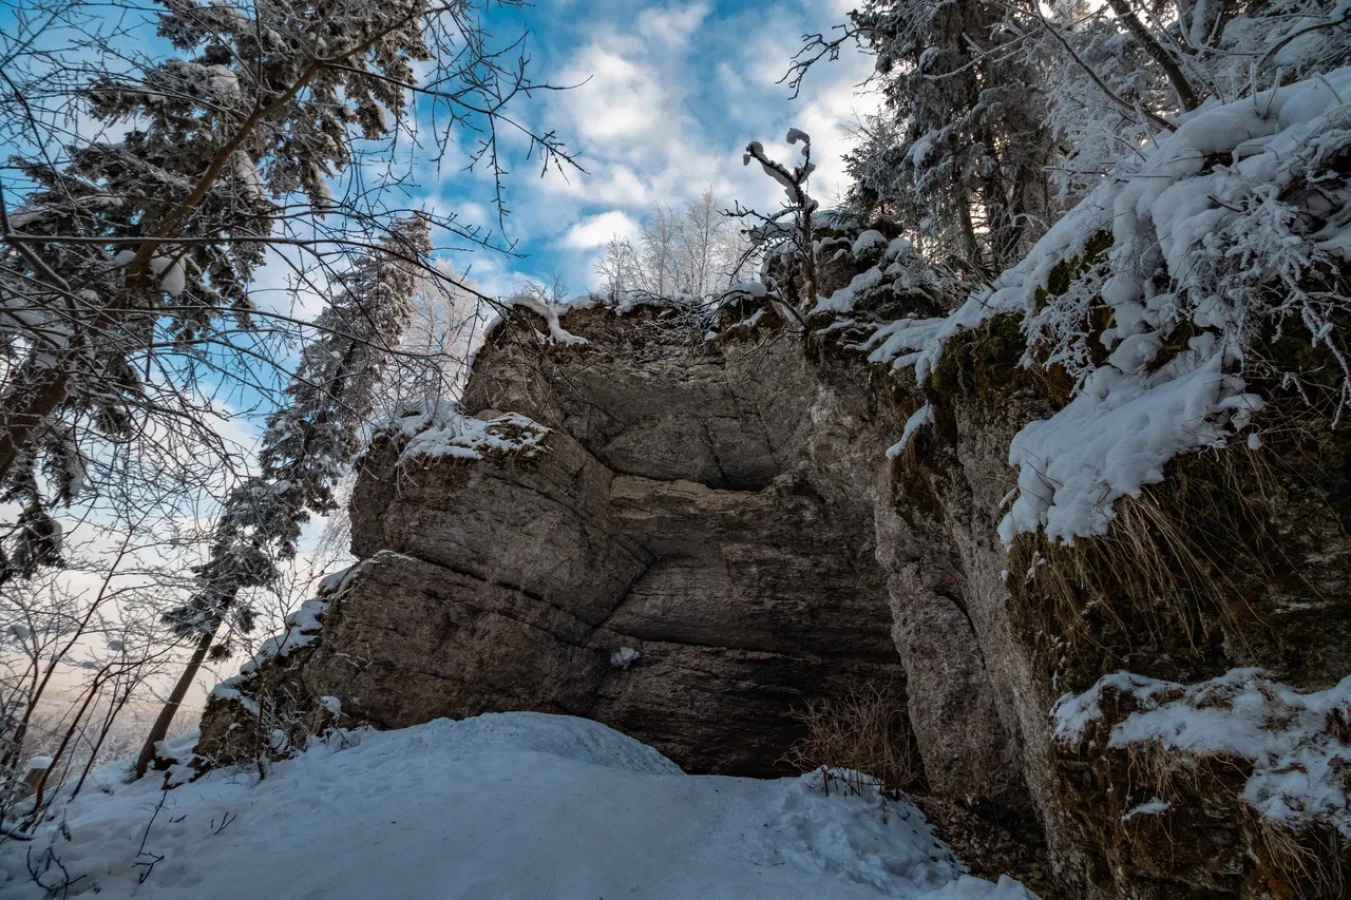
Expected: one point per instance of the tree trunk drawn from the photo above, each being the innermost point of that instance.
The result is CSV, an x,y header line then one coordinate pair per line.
x,y
40,791
166,715
108,720
808,251
1186,94
35,396
969,243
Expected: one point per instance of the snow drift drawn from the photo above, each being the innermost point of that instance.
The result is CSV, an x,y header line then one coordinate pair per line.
x,y
515,805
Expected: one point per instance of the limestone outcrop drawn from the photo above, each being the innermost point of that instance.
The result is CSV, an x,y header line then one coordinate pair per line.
x,y
712,506
705,535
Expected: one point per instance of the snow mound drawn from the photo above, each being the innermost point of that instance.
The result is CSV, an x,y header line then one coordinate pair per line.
x,y
1116,436
514,805
1294,741
302,628
899,269
565,737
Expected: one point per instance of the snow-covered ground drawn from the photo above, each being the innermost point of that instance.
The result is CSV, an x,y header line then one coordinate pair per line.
x,y
517,805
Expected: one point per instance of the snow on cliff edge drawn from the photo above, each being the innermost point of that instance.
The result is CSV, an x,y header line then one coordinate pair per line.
x,y
1223,229
514,805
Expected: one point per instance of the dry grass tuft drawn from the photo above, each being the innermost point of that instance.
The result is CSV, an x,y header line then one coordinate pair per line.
x,y
866,730
1302,866
1177,574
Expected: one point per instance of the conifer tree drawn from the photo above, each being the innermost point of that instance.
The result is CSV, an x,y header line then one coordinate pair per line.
x,y
960,152
307,446
127,254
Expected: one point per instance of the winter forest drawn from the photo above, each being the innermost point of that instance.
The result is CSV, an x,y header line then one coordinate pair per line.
x,y
711,449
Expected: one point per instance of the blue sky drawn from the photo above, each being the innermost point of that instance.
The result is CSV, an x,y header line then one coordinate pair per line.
x,y
669,95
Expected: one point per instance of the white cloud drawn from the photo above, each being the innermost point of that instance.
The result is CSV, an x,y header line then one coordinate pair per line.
x,y
672,25
490,273
472,213
596,231
616,97
666,97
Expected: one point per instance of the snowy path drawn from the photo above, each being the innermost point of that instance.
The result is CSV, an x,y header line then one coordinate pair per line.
x,y
508,806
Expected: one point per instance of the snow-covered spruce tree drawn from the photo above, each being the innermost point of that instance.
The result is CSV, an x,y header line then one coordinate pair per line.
x,y
959,154
306,449
1207,261
1122,73
129,241
985,99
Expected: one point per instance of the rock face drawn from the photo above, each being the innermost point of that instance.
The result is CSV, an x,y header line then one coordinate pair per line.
x,y
675,509
724,509
711,536
715,507
667,513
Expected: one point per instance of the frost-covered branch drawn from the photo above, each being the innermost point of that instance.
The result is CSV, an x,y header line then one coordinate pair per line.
x,y
1186,94
815,48
799,206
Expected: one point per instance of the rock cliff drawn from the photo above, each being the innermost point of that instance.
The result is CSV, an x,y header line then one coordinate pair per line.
x,y
692,537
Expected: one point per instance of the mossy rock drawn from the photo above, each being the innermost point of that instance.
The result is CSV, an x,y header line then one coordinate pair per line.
x,y
988,364
1068,271
1237,559
1204,842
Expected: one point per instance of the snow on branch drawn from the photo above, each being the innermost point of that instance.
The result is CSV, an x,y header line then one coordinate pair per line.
x,y
800,207
1232,227
547,310
794,180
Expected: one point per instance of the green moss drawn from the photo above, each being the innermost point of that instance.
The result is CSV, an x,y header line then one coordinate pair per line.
x,y
1068,271
920,483
985,362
